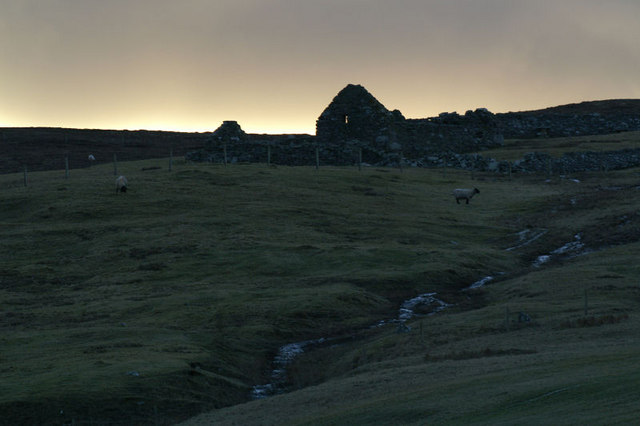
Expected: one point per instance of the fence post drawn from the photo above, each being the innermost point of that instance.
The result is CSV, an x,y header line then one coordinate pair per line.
x,y
66,167
317,158
115,165
225,154
25,175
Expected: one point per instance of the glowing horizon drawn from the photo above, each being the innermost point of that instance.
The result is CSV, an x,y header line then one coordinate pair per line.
x,y
274,65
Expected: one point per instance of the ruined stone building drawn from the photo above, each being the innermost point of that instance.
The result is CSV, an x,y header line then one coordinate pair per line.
x,y
355,116
356,126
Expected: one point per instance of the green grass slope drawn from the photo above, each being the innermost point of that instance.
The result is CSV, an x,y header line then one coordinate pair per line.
x,y
152,306
573,362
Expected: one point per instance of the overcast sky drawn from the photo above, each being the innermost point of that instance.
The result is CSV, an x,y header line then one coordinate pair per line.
x,y
274,65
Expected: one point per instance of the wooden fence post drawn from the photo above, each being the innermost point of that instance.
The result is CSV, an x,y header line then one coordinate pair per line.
x,y
317,158
25,175
225,154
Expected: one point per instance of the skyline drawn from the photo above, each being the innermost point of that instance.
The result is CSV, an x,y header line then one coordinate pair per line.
x,y
274,65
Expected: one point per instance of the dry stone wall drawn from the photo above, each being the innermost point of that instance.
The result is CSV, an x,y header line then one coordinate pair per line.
x,y
573,162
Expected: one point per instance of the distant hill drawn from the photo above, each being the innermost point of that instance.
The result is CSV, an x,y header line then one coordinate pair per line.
x,y
580,119
604,107
45,148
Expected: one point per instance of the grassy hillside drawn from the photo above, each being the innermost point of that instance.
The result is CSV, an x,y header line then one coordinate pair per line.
x,y
515,149
172,299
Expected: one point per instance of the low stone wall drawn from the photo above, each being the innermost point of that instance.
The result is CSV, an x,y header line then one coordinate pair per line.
x,y
293,151
573,162
535,162
524,125
301,151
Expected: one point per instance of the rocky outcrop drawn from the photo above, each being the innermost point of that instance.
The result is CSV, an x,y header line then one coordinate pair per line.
x,y
585,118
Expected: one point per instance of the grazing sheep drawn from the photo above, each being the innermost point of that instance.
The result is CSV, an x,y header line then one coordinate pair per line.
x,y
121,184
91,157
465,194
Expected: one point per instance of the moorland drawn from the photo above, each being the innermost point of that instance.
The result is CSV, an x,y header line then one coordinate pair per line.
x,y
169,303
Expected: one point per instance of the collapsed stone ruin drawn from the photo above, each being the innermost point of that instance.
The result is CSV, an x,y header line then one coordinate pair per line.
x,y
356,128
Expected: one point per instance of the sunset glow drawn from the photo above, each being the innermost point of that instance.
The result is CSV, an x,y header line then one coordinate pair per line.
x,y
274,65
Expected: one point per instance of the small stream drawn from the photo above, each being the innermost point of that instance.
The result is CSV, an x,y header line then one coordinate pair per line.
x,y
571,249
426,303
286,355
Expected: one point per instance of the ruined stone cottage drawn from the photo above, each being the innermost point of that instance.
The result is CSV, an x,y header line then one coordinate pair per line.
x,y
355,123
356,116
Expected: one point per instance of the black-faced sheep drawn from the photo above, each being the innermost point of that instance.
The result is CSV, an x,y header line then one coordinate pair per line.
x,y
465,194
121,184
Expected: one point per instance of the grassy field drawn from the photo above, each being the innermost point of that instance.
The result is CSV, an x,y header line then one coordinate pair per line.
x,y
171,300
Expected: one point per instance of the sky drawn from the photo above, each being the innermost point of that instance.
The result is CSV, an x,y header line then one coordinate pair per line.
x,y
274,65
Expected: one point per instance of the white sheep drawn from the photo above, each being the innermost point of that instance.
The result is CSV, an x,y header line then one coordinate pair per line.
x,y
465,194
121,184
